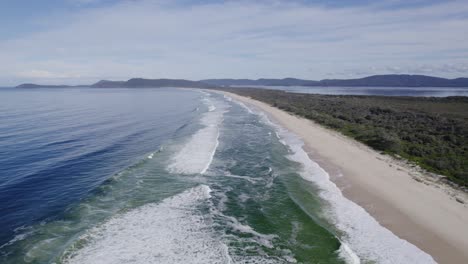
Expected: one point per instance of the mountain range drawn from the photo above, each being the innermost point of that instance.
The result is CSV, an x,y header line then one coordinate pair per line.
x,y
391,80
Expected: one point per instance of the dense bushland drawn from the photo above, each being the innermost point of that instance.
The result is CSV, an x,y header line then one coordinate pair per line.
x,y
432,132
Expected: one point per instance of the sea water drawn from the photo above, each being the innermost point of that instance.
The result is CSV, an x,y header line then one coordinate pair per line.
x,y
169,176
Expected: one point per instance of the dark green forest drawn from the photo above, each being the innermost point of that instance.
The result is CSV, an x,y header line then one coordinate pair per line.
x,y
431,132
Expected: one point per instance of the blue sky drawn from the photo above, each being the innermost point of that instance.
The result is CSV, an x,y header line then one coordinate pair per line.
x,y
82,41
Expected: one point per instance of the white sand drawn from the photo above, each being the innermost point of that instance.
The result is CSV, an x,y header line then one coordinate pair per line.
x,y
421,213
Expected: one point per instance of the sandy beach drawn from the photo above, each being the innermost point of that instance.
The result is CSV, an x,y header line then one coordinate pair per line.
x,y
424,213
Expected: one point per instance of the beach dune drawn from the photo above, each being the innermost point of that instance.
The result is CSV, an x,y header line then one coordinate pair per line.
x,y
423,213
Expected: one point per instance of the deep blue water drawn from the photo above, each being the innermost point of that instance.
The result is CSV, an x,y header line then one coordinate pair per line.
x,y
383,91
56,145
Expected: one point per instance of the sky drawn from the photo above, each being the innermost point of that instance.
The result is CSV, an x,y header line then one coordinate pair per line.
x,y
83,41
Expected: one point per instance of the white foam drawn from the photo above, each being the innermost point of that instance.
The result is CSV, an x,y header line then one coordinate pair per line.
x,y
197,154
348,255
247,178
363,234
265,240
26,232
173,231
244,197
253,236
242,105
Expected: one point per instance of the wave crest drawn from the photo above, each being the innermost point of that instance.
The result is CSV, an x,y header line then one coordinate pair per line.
x,y
197,154
173,231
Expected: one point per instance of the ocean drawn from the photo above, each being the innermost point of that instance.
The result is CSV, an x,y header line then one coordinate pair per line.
x,y
169,176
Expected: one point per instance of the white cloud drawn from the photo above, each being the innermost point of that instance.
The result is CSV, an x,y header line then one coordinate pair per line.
x,y
41,74
240,39
455,69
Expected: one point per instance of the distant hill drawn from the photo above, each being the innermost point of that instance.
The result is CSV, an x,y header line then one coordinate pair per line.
x,y
32,85
108,84
266,82
399,80
147,83
132,83
391,80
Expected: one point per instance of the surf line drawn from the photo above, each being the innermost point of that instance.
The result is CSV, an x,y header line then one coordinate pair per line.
x,y
213,152
196,156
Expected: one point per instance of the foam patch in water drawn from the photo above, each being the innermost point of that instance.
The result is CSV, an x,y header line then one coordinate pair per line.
x,y
348,255
241,104
173,231
197,154
247,178
262,239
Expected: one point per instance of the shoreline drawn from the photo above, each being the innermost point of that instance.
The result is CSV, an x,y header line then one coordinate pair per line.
x,y
421,212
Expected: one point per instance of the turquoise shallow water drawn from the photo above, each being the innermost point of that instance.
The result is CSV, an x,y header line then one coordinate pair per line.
x,y
173,176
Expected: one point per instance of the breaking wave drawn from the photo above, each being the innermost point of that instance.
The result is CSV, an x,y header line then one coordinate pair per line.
x,y
173,231
197,154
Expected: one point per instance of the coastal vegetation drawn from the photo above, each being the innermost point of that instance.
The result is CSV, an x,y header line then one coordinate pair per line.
x,y
431,132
